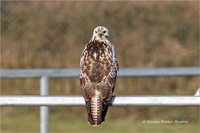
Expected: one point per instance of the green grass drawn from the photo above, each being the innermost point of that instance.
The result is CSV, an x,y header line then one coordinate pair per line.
x,y
21,121
145,34
124,125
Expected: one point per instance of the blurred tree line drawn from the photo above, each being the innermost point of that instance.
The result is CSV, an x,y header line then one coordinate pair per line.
x,y
145,34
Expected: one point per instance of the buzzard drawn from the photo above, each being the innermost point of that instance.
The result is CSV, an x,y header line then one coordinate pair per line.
x,y
98,72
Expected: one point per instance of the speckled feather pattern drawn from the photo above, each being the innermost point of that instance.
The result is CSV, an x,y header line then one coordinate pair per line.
x,y
98,71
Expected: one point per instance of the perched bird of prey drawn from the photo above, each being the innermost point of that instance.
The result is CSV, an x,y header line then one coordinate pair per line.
x,y
98,72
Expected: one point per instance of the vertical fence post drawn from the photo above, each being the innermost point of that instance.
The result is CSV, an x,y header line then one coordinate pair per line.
x,y
197,93
44,110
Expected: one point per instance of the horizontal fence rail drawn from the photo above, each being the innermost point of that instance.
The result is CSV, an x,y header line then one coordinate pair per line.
x,y
128,100
123,72
77,100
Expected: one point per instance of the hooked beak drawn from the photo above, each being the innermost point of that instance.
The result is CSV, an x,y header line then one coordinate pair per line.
x,y
100,33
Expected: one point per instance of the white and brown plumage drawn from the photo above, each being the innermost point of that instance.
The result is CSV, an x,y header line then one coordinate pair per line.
x,y
98,72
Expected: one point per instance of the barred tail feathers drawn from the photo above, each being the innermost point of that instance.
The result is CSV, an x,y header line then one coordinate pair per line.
x,y
96,109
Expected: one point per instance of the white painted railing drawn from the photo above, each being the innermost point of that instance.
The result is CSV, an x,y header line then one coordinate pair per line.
x,y
123,72
124,100
129,100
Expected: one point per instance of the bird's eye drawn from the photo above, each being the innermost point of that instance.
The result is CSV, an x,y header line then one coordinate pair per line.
x,y
104,31
95,31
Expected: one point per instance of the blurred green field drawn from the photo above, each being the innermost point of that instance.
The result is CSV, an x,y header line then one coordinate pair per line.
x,y
145,34
61,122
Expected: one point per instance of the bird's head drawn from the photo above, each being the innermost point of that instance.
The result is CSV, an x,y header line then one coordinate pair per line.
x,y
100,33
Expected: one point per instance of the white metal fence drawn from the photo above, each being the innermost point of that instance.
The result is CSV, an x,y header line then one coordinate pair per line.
x,y
128,100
